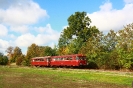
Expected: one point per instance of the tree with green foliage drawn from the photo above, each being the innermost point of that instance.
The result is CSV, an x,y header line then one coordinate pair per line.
x,y
33,51
109,47
100,50
125,47
76,34
93,49
16,54
20,59
48,51
110,41
3,59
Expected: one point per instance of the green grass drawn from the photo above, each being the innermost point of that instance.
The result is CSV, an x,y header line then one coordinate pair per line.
x,y
27,77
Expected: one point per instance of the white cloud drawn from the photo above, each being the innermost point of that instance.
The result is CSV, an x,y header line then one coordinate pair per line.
x,y
16,18
45,36
22,13
3,30
106,7
25,40
3,45
22,28
108,18
46,29
128,1
19,14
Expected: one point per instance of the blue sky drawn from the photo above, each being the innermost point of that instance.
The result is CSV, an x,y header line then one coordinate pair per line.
x,y
23,22
60,10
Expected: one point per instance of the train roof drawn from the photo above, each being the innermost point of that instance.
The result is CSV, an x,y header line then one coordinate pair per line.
x,y
70,55
59,56
41,57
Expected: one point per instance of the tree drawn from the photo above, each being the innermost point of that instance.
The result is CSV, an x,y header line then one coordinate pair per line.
x,y
125,47
3,59
110,41
109,55
33,51
48,51
16,53
20,59
77,32
9,50
93,50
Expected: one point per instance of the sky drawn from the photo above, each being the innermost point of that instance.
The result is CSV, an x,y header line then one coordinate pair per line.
x,y
24,22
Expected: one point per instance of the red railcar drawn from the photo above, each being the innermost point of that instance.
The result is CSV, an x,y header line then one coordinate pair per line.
x,y
40,61
64,60
69,60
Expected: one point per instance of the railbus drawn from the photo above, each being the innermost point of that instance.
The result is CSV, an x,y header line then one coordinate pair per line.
x,y
69,60
41,61
74,60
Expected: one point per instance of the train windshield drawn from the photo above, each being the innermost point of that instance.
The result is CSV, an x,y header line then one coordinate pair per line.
x,y
80,58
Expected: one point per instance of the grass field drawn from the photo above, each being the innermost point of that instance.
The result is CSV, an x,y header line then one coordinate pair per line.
x,y
28,77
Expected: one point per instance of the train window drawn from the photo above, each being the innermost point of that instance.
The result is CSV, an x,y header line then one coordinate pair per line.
x,y
70,58
57,59
36,59
67,58
41,59
80,58
54,59
77,58
61,58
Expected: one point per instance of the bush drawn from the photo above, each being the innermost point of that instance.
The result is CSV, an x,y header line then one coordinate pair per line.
x,y
3,60
92,65
19,61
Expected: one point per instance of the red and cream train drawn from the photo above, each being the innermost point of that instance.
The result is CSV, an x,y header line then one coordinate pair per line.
x,y
75,60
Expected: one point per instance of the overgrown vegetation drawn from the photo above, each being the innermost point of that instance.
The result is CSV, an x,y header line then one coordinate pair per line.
x,y
113,50
26,77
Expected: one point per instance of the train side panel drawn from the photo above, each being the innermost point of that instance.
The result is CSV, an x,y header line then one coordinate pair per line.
x,y
40,61
69,60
